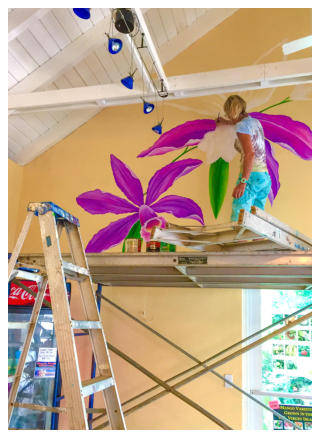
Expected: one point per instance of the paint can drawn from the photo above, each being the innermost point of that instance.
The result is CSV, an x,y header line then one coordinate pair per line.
x,y
153,246
167,247
132,245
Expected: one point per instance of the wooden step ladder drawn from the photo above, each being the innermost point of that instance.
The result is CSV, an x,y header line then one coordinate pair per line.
x,y
52,221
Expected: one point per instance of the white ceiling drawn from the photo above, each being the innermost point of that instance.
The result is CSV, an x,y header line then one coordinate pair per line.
x,y
53,49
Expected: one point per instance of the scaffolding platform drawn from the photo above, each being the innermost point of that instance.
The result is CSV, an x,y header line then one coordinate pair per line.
x,y
257,252
251,270
257,230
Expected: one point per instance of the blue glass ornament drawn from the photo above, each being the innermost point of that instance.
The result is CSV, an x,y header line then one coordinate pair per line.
x,y
83,13
147,107
114,45
127,82
157,128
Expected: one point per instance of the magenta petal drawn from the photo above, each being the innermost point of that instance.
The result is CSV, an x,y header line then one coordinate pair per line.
x,y
149,224
146,213
179,207
288,133
98,202
189,133
127,181
273,169
166,176
111,235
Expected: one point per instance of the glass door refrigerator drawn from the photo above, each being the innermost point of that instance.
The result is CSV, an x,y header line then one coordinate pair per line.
x,y
40,383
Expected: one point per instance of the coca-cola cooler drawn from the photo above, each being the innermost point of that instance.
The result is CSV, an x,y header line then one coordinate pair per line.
x,y
40,382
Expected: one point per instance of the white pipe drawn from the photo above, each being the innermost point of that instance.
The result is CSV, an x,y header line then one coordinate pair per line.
x,y
151,47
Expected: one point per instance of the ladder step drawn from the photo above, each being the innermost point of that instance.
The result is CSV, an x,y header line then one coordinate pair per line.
x,y
86,325
95,385
72,270
39,407
24,275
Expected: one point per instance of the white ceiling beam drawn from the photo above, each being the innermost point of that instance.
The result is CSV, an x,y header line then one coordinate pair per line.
x,y
205,23
57,133
251,77
151,47
65,59
20,19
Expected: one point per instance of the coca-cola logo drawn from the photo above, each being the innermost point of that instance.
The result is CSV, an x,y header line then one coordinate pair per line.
x,y
19,296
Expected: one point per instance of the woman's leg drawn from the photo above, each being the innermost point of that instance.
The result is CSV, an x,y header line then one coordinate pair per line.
x,y
263,187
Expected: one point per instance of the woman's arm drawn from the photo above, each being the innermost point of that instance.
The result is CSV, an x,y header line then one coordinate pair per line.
x,y
248,159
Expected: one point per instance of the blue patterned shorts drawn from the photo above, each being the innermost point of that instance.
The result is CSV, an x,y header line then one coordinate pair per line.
x,y
256,193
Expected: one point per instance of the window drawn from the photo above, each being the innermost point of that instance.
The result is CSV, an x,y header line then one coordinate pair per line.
x,y
279,369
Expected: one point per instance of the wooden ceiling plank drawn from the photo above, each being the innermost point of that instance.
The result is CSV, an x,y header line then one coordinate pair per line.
x,y
190,15
55,30
110,66
35,123
17,71
59,115
23,127
150,28
43,36
74,78
11,81
19,20
97,69
17,136
179,18
157,27
63,60
168,22
46,119
62,83
32,46
86,74
69,25
19,52
54,135
96,15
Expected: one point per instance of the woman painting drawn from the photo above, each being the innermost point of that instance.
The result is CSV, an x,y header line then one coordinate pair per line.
x,y
254,183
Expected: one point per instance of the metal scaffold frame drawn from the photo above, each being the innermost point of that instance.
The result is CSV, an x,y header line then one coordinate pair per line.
x,y
257,252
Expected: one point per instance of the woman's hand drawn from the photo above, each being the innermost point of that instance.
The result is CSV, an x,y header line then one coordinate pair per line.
x,y
238,191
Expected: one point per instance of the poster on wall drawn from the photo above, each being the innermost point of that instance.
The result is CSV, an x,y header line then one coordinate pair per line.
x,y
301,415
46,363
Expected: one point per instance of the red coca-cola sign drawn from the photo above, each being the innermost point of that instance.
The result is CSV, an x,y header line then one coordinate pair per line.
x,y
20,297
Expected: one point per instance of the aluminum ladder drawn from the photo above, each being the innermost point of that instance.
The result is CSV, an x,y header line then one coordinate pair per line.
x,y
52,221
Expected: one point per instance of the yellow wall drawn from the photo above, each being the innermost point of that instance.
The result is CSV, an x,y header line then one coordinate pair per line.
x,y
201,321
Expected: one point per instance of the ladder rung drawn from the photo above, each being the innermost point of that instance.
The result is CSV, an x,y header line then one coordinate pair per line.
x,y
95,385
24,275
86,325
39,407
70,269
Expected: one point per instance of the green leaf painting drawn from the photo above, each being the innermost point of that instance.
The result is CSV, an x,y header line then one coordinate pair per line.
x,y
218,183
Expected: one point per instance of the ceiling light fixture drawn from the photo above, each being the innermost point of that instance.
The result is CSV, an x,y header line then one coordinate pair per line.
x,y
147,107
83,13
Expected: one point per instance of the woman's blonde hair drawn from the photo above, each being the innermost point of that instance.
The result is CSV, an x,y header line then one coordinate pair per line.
x,y
234,106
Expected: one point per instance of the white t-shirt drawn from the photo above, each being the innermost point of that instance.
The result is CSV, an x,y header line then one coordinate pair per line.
x,y
253,127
